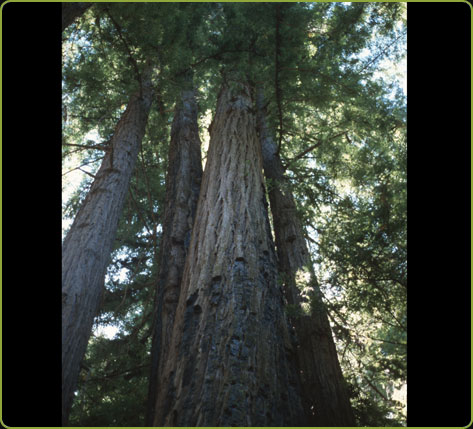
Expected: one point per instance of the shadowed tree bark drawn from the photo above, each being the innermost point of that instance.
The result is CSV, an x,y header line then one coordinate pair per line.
x,y
72,11
88,244
182,192
229,361
326,401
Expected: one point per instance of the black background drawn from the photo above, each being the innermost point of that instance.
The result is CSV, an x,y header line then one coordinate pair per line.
x,y
439,388
439,147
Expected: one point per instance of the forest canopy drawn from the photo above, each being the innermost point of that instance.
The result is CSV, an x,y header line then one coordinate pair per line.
x,y
329,80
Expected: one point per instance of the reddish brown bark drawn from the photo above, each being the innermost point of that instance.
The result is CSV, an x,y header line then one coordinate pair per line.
x,y
229,359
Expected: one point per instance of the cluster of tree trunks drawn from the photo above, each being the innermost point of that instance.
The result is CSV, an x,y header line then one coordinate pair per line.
x,y
229,362
224,351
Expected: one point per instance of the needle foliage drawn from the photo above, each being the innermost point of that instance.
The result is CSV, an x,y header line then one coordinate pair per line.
x,y
330,73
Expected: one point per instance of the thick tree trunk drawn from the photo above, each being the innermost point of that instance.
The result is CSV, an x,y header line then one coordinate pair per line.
x,y
228,363
71,11
183,180
326,400
87,246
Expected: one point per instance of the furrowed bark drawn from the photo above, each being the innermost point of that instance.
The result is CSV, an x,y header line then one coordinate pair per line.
x,y
229,359
183,180
88,244
326,401
71,11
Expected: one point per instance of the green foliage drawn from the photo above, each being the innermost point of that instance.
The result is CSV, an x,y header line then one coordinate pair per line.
x,y
113,384
339,119
362,265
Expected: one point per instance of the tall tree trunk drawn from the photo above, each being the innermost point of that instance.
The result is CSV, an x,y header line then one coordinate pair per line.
x,y
88,244
71,11
183,180
326,401
228,363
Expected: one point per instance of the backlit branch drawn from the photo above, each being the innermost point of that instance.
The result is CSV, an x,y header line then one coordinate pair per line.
x,y
310,148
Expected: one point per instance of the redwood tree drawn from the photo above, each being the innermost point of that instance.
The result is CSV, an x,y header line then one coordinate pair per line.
x,y
232,345
182,191
229,362
87,246
326,401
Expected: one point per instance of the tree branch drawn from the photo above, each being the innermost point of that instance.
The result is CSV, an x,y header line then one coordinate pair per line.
x,y
381,53
85,163
377,390
133,371
216,56
100,146
310,148
385,341
86,172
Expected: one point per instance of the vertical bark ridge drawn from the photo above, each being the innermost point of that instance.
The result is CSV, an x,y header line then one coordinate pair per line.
x,y
326,400
182,192
88,244
228,362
